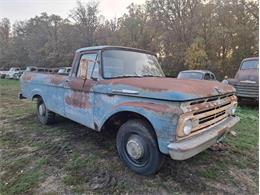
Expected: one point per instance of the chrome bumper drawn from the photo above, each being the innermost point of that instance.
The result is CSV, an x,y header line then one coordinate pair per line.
x,y
187,148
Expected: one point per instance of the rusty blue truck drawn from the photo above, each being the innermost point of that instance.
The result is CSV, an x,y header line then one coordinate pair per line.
x,y
125,89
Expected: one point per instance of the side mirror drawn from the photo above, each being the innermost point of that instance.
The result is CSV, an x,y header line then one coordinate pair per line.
x,y
84,77
83,68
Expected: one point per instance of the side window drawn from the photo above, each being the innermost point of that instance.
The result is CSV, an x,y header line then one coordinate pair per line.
x,y
207,77
95,72
86,64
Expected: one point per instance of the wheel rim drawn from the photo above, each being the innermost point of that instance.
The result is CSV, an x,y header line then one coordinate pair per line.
x,y
42,110
135,148
136,151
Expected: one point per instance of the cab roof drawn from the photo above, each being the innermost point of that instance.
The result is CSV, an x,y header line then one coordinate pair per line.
x,y
251,58
199,71
110,47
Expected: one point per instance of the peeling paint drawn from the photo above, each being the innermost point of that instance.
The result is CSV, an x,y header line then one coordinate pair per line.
x,y
164,102
78,100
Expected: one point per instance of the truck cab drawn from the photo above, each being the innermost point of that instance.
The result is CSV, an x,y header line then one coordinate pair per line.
x,y
124,89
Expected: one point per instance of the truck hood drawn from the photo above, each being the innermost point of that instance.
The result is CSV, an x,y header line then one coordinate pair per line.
x,y
247,75
164,88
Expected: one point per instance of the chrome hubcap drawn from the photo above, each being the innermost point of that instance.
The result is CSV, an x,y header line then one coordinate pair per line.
x,y
42,110
135,148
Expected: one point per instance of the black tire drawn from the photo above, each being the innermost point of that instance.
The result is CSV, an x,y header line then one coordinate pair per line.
x,y
148,161
47,117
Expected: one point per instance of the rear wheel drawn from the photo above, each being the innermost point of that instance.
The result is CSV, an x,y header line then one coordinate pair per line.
x,y
45,116
138,148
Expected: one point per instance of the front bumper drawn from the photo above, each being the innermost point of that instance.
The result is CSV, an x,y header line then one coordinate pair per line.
x,y
187,148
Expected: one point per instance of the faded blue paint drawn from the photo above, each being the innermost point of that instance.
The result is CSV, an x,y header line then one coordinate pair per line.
x,y
145,93
92,103
102,106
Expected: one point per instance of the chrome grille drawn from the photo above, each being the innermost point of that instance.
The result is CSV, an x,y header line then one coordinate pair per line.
x,y
206,113
247,89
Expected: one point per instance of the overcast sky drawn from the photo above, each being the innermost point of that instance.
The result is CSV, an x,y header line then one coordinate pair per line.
x,y
16,10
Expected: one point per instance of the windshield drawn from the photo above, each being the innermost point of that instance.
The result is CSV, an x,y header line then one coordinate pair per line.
x,y
250,64
120,63
190,75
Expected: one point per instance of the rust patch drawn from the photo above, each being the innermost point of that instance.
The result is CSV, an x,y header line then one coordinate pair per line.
x,y
56,79
80,84
207,105
198,88
152,106
78,100
26,76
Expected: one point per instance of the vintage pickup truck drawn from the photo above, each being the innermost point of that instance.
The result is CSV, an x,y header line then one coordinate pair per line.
x,y
125,89
246,81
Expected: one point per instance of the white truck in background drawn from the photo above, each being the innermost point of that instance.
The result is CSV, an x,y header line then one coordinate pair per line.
x,y
14,73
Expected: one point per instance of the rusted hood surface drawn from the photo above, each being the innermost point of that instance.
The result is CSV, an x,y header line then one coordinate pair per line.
x,y
247,75
165,88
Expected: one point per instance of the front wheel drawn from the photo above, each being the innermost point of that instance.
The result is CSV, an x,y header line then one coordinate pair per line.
x,y
138,148
45,116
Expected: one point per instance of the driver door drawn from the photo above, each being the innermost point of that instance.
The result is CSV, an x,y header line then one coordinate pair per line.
x,y
79,96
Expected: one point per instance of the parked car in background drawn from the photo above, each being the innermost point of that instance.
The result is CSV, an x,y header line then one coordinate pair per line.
x,y
3,74
13,72
17,75
64,70
125,88
197,75
246,80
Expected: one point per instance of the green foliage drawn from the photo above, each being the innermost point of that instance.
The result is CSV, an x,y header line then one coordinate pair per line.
x,y
196,56
215,35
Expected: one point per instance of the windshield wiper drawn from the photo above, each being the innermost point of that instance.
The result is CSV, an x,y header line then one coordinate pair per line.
x,y
135,75
151,75
126,76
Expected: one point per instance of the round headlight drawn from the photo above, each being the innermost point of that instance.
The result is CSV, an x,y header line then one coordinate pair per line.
x,y
187,127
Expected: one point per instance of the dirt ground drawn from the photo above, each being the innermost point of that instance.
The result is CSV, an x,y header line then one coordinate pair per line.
x,y
67,158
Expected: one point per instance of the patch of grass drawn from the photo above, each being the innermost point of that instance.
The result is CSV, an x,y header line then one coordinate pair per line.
x,y
70,180
14,166
210,173
9,83
79,168
32,151
25,179
247,130
24,182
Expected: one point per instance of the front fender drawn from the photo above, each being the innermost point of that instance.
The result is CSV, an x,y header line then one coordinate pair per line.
x,y
163,117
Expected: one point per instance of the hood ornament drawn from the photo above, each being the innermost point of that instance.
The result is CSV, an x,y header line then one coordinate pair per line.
x,y
219,91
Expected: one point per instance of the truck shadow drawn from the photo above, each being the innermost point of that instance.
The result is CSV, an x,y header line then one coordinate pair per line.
x,y
181,174
248,103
